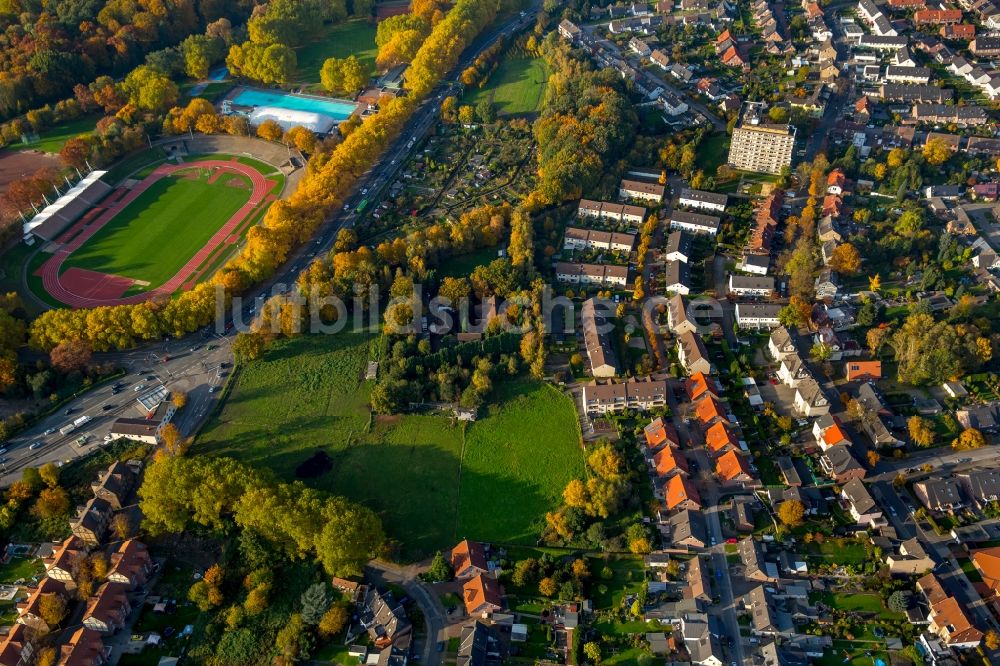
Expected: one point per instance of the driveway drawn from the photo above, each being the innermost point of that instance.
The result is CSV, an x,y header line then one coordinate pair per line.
x,y
428,602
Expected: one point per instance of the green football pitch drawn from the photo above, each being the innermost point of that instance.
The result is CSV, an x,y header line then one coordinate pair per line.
x,y
155,235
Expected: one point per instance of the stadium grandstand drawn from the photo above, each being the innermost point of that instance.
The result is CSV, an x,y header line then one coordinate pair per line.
x,y
317,123
67,209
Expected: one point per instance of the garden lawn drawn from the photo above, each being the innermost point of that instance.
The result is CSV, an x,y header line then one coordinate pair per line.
x,y
860,602
517,86
53,139
518,459
154,236
627,577
355,38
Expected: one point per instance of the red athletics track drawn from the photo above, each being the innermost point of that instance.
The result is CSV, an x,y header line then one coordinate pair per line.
x,y
50,270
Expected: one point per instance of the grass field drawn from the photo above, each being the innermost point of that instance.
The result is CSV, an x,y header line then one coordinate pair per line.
x,y
517,86
355,38
53,139
152,238
517,462
307,396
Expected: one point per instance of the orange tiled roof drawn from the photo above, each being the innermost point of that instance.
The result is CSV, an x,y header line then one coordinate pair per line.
x,y
835,434
698,384
669,459
708,410
836,177
950,613
678,491
658,432
479,590
731,466
468,553
719,436
987,560
723,36
858,368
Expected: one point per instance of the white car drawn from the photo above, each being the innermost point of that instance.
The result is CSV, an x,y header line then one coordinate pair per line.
x,y
108,437
139,388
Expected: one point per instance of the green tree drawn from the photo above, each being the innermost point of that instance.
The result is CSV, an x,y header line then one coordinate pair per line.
x,y
315,602
293,641
150,90
898,601
440,569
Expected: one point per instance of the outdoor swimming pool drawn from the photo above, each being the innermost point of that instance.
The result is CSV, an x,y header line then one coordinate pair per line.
x,y
327,107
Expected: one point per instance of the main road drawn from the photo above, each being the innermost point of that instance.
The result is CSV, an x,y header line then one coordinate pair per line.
x,y
194,365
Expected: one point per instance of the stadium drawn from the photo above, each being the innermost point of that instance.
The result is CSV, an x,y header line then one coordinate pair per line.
x,y
166,226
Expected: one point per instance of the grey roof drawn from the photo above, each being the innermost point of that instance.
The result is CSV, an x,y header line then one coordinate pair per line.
x,y
705,197
752,282
678,241
695,219
688,524
841,459
858,495
676,273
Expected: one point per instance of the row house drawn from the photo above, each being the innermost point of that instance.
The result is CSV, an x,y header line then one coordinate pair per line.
x,y
744,285
594,239
637,394
694,222
592,274
757,315
602,210
635,189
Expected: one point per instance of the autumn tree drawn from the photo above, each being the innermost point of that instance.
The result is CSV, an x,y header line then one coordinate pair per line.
x,y
49,474
936,151
270,130
248,346
791,512
592,651
179,398
970,438
846,259
921,430
172,440
547,587
71,356
302,138
344,74
52,609
333,622
51,502
992,639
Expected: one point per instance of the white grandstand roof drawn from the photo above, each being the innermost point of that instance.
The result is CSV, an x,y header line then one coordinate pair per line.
x,y
59,204
289,118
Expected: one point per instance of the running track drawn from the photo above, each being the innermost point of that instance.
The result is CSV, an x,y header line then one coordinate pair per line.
x,y
50,269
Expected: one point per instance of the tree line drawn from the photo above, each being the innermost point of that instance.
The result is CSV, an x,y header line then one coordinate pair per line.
x,y
222,495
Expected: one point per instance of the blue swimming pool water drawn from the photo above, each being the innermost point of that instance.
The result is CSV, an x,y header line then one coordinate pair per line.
x,y
336,110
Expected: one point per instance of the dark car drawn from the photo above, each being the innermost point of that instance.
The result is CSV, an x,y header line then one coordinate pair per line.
x,y
69,410
107,407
